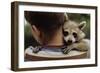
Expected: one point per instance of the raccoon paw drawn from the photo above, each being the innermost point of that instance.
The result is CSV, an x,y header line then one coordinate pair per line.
x,y
36,49
66,50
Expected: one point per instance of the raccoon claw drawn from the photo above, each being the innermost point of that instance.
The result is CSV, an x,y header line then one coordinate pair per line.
x,y
36,49
66,51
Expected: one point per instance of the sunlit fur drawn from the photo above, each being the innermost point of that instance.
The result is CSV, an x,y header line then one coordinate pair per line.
x,y
78,42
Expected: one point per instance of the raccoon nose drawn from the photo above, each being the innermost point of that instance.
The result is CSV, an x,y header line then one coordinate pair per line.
x,y
69,41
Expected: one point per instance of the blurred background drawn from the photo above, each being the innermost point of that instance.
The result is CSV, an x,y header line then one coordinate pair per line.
x,y
30,41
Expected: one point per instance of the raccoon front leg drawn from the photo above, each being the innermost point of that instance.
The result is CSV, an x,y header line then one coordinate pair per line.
x,y
67,49
83,45
36,49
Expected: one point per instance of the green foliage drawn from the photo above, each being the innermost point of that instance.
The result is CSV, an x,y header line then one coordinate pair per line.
x,y
28,38
27,30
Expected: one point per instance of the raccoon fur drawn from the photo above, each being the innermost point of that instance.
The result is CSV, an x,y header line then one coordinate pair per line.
x,y
74,37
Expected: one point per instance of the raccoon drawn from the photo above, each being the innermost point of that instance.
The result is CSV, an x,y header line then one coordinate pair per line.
x,y
74,37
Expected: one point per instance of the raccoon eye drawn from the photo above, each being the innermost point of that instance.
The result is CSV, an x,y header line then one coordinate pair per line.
x,y
75,34
65,33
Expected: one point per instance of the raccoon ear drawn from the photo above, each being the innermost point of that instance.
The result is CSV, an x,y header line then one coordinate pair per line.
x,y
66,16
82,25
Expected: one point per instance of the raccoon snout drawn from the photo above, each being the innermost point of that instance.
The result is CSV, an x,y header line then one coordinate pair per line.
x,y
69,42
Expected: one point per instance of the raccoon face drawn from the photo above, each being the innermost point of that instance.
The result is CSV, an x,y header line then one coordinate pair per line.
x,y
70,37
72,32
